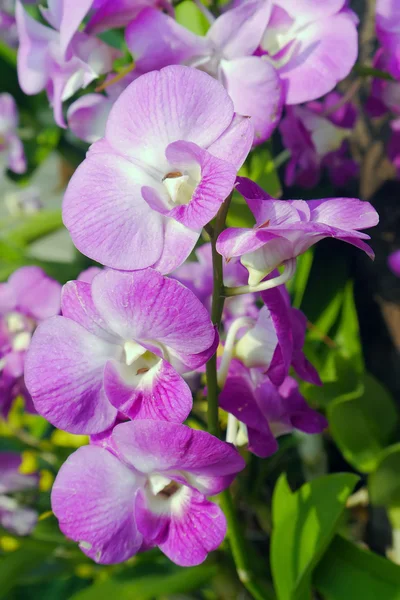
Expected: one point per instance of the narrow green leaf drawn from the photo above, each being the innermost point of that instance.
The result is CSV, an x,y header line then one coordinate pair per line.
x,y
347,572
363,423
297,286
150,586
32,228
304,524
367,71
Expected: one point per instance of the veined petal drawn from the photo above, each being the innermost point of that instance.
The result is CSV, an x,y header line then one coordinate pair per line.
x,y
327,50
160,393
34,39
235,143
87,117
236,241
93,498
176,103
195,529
106,215
179,242
64,375
77,304
153,310
163,447
256,91
238,32
157,40
346,214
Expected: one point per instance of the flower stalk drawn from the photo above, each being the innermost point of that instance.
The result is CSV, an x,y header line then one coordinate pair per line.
x,y
236,537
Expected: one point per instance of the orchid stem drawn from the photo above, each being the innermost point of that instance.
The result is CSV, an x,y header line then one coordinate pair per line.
x,y
236,537
290,268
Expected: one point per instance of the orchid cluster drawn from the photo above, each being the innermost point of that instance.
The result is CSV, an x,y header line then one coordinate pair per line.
x,y
130,346
181,308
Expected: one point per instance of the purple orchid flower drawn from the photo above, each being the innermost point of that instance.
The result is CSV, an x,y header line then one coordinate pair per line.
x,y
198,277
226,53
273,342
60,59
394,262
285,229
312,44
388,33
266,410
393,147
168,160
315,135
15,518
27,298
109,14
119,347
385,95
11,148
153,481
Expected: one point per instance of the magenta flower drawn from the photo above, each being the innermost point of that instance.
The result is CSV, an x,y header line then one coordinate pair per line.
x,y
119,347
285,229
315,135
394,262
15,518
312,44
388,33
198,277
168,160
153,482
60,59
27,298
226,53
393,146
272,342
266,411
11,149
385,95
109,14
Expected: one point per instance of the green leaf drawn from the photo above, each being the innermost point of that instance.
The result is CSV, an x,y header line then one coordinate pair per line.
x,y
384,482
347,572
32,228
367,71
362,423
297,285
13,566
304,524
150,586
191,17
260,167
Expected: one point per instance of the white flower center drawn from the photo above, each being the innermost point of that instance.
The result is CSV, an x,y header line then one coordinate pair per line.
x,y
138,359
181,185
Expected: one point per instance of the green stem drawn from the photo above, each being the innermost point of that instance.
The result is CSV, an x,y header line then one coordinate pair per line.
x,y
240,553
236,537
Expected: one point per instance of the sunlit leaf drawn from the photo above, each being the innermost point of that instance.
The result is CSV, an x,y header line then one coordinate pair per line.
x,y
304,523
